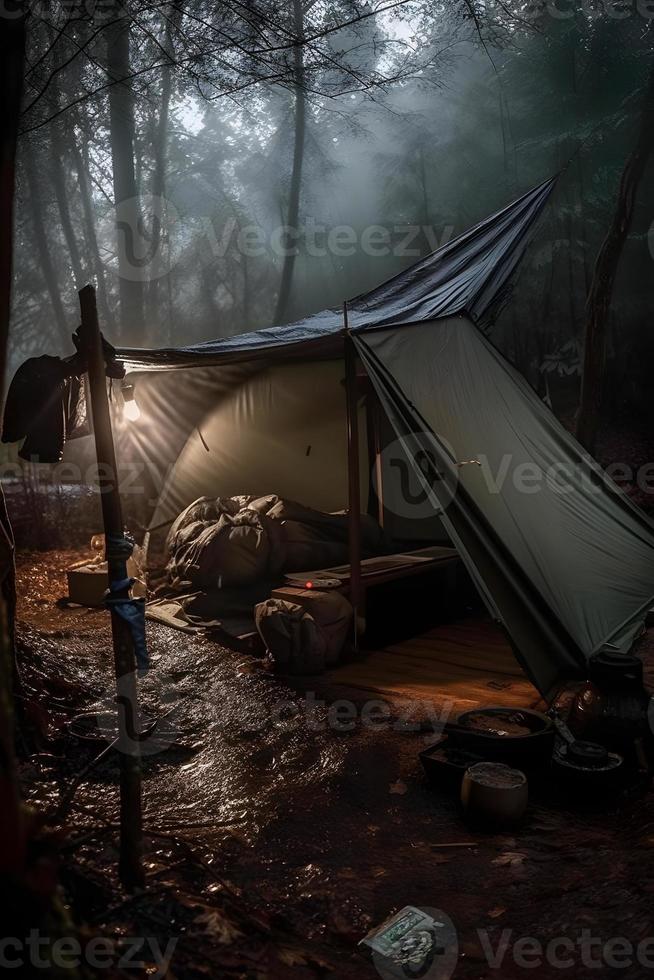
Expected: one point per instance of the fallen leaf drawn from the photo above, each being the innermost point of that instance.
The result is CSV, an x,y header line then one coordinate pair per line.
x,y
512,859
398,788
496,913
291,957
218,927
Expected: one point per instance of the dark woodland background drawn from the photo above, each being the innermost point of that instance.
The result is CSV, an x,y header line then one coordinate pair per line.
x,y
427,114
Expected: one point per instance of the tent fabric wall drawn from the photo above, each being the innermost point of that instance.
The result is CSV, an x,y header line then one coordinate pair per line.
x,y
557,549
279,431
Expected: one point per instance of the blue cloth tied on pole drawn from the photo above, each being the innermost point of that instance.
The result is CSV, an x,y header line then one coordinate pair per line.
x,y
132,611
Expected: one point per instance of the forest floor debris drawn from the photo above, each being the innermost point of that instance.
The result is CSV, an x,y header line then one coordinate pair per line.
x,y
272,848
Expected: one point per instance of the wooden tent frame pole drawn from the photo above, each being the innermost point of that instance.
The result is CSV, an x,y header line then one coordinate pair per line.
x,y
131,819
354,489
373,418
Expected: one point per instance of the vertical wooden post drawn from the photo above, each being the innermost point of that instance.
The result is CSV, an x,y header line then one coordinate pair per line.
x,y
373,419
130,869
354,491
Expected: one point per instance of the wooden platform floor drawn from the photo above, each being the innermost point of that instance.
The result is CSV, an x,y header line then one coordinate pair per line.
x,y
469,663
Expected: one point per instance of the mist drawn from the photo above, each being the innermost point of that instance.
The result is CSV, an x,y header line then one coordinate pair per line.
x,y
413,128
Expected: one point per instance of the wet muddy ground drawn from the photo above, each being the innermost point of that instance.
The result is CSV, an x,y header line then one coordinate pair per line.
x,y
275,841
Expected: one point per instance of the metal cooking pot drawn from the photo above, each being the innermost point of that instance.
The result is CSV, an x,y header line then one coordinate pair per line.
x,y
494,733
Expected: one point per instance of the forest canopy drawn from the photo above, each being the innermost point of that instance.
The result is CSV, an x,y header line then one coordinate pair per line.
x,y
216,168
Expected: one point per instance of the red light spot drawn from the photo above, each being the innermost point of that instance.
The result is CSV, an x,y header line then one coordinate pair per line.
x,y
308,585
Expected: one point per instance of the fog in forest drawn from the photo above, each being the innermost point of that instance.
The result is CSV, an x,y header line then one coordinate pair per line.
x,y
234,179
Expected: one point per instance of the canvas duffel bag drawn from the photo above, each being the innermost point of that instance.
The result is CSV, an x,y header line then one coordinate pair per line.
x,y
292,637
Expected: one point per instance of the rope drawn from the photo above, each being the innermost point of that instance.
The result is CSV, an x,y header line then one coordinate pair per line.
x,y
119,546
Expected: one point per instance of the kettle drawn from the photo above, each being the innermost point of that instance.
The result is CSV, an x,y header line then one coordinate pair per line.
x,y
614,709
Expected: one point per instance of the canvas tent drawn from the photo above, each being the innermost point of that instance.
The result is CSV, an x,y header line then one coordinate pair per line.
x,y
560,555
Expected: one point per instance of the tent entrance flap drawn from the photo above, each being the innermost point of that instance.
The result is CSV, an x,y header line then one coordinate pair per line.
x,y
563,556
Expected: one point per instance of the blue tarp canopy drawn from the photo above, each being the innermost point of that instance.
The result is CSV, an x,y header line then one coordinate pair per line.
x,y
468,275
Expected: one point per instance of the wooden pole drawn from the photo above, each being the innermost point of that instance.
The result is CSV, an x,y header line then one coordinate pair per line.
x,y
354,491
373,417
131,830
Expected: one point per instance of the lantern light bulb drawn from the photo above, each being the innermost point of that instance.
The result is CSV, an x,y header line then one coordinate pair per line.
x,y
131,411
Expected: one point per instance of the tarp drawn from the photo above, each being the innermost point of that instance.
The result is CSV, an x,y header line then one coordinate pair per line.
x,y
469,274
560,555
557,549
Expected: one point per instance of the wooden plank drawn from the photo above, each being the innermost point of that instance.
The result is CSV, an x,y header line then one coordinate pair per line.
x,y
459,661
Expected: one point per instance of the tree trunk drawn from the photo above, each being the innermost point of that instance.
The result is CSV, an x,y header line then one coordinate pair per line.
x,y
12,826
245,269
601,289
296,173
160,143
90,236
59,182
207,286
43,248
132,271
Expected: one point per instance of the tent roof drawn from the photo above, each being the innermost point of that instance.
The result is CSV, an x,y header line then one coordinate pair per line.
x,y
467,275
